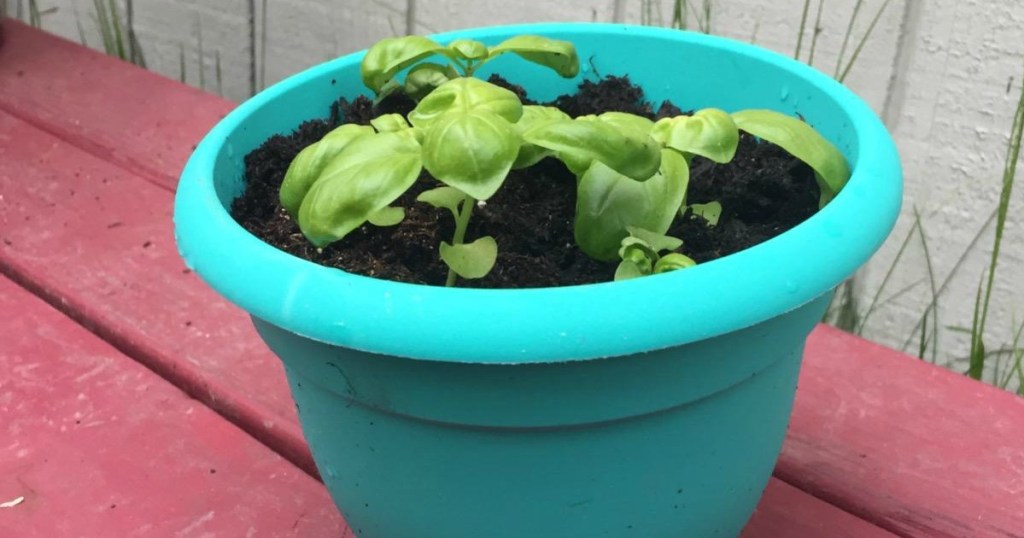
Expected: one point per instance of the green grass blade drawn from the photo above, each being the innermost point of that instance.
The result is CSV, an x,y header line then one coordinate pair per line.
x,y
815,32
846,36
977,353
864,40
118,33
34,18
1009,176
181,64
952,273
933,305
220,79
873,305
803,26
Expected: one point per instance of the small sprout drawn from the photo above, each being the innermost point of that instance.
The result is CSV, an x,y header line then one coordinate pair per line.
x,y
673,261
710,212
640,256
471,260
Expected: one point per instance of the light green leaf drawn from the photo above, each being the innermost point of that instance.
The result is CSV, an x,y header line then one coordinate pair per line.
x,y
608,202
471,150
443,198
582,141
672,262
710,133
468,49
471,260
535,116
307,166
387,123
392,54
425,78
558,55
466,94
628,269
710,212
371,174
801,141
625,121
389,216
656,241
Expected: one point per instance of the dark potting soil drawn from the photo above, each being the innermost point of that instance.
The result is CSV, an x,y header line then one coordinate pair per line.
x,y
764,191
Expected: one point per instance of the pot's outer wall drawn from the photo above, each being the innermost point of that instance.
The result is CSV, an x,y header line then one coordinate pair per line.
x,y
553,324
672,443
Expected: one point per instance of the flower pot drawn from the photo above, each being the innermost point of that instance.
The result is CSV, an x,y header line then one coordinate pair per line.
x,y
650,407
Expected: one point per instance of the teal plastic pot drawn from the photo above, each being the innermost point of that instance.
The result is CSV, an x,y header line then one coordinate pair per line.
x,y
651,407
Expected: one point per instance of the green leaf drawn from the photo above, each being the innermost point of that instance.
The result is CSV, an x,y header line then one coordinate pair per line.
x,y
608,202
801,141
443,198
425,78
656,241
468,49
392,54
471,150
625,121
558,55
580,142
710,212
710,133
535,116
628,269
466,94
672,262
307,166
471,260
389,216
371,174
387,123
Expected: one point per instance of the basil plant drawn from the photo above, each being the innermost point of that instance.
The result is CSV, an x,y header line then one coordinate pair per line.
x,y
632,173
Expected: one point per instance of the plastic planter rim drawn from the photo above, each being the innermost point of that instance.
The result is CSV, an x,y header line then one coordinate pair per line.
x,y
545,324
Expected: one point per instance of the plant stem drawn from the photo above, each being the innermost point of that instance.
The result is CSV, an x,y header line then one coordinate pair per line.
x,y
461,224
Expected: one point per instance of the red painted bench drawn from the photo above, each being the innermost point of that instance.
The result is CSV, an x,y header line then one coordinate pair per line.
x,y
90,149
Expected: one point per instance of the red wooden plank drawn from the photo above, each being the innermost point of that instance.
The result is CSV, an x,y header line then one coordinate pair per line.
x,y
785,511
138,119
914,448
889,493
98,242
96,445
59,210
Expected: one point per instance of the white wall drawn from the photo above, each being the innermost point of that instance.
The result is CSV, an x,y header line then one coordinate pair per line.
x,y
944,74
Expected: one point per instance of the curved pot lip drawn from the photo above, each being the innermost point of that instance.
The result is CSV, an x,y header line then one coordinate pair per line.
x,y
545,324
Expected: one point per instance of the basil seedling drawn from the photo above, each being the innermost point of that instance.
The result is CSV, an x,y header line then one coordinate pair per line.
x,y
632,173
